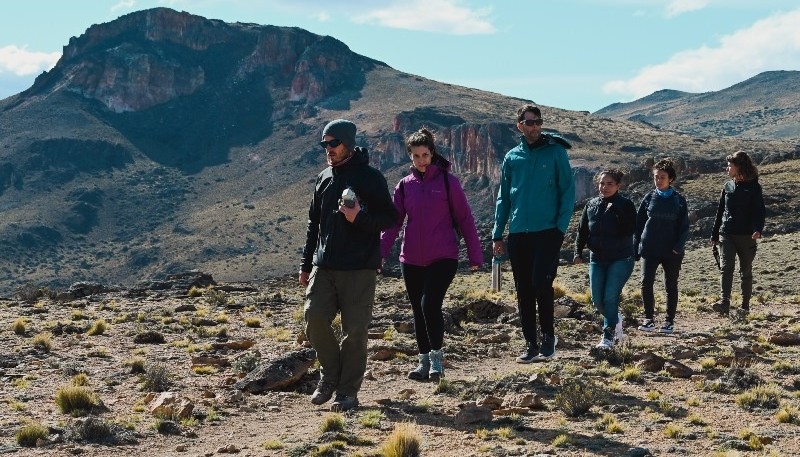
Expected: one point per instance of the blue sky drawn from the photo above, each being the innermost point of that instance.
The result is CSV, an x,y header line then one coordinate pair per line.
x,y
573,54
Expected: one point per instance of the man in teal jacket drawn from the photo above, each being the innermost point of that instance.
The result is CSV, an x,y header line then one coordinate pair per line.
x,y
536,200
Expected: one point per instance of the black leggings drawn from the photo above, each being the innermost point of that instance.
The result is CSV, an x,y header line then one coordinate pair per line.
x,y
426,287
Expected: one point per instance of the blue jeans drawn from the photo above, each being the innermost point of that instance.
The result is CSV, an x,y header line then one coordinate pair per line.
x,y
607,280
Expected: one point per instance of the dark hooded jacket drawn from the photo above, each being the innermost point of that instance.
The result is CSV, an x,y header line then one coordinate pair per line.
x,y
331,241
741,209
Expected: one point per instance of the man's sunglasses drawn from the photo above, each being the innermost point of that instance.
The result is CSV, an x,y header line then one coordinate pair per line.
x,y
332,143
530,122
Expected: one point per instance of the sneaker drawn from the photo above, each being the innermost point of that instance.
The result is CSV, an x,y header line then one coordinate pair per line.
x,y
548,350
647,325
668,327
618,334
344,403
722,307
605,343
323,393
437,365
531,351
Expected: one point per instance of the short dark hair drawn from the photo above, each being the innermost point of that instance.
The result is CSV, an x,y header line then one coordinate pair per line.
x,y
614,173
743,164
525,108
666,166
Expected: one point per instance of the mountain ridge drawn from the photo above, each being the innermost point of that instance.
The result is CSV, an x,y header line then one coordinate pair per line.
x,y
141,155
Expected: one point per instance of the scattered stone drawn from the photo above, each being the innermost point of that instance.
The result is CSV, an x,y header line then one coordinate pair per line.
x,y
235,345
678,370
170,405
472,414
785,338
149,337
278,373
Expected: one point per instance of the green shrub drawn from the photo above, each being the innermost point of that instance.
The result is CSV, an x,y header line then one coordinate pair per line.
x,y
576,397
156,378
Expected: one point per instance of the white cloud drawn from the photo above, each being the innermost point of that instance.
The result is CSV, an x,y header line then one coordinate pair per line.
x,y
124,4
444,16
769,44
678,7
21,62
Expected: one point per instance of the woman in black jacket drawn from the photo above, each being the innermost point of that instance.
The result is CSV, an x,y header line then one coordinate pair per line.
x,y
607,226
737,228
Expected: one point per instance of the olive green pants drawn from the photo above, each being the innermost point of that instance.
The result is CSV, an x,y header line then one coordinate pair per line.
x,y
744,247
351,293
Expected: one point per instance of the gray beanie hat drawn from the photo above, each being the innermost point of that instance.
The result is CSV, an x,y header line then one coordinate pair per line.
x,y
343,130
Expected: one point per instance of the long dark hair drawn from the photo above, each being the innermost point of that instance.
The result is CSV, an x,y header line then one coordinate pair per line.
x,y
424,137
743,164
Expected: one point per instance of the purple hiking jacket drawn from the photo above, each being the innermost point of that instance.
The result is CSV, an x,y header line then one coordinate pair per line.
x,y
429,234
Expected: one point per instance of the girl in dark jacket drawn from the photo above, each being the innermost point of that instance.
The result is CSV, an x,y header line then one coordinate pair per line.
x,y
737,228
662,228
607,225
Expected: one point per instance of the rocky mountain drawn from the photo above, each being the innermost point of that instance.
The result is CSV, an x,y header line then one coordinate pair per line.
x,y
764,106
163,142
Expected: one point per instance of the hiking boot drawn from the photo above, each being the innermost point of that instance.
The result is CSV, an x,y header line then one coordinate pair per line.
x,y
548,350
648,325
531,351
437,365
344,403
421,372
668,327
722,307
323,393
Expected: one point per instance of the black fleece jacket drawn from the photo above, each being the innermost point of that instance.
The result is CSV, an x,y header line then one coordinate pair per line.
x,y
741,209
607,226
331,241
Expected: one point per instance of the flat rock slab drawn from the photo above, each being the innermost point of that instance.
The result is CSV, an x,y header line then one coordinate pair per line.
x,y
278,373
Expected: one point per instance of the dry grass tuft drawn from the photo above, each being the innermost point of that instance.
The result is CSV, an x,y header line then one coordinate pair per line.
x,y
403,442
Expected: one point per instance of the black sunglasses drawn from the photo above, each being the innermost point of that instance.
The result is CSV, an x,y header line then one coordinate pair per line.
x,y
530,122
332,143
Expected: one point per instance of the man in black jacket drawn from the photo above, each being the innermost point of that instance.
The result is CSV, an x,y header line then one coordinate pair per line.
x,y
340,259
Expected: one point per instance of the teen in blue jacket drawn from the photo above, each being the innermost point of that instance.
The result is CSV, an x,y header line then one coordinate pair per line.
x,y
662,228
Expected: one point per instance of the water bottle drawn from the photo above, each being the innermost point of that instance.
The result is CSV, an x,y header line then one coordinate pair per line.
x,y
497,273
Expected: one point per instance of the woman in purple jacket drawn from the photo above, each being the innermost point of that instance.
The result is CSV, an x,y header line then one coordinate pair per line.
x,y
432,203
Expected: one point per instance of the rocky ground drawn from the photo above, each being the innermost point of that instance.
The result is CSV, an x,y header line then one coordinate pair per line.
x,y
717,386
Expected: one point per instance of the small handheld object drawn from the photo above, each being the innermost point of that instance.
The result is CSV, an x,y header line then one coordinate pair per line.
x,y
497,273
348,198
715,251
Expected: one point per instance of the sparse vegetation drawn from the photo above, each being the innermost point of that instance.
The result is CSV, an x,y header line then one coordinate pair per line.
x,y
577,396
30,433
404,441
43,342
76,400
98,327
332,422
19,326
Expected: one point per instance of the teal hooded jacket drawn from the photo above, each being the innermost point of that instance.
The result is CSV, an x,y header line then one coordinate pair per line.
x,y
537,189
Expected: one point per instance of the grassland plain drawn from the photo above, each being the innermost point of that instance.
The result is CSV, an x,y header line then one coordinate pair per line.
x,y
740,396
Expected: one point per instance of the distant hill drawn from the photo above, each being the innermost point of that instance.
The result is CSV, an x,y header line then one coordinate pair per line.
x,y
163,142
762,107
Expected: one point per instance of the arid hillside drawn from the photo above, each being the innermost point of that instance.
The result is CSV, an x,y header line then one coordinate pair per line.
x,y
164,142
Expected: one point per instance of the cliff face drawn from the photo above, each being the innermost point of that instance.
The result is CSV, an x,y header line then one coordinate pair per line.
x,y
153,57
